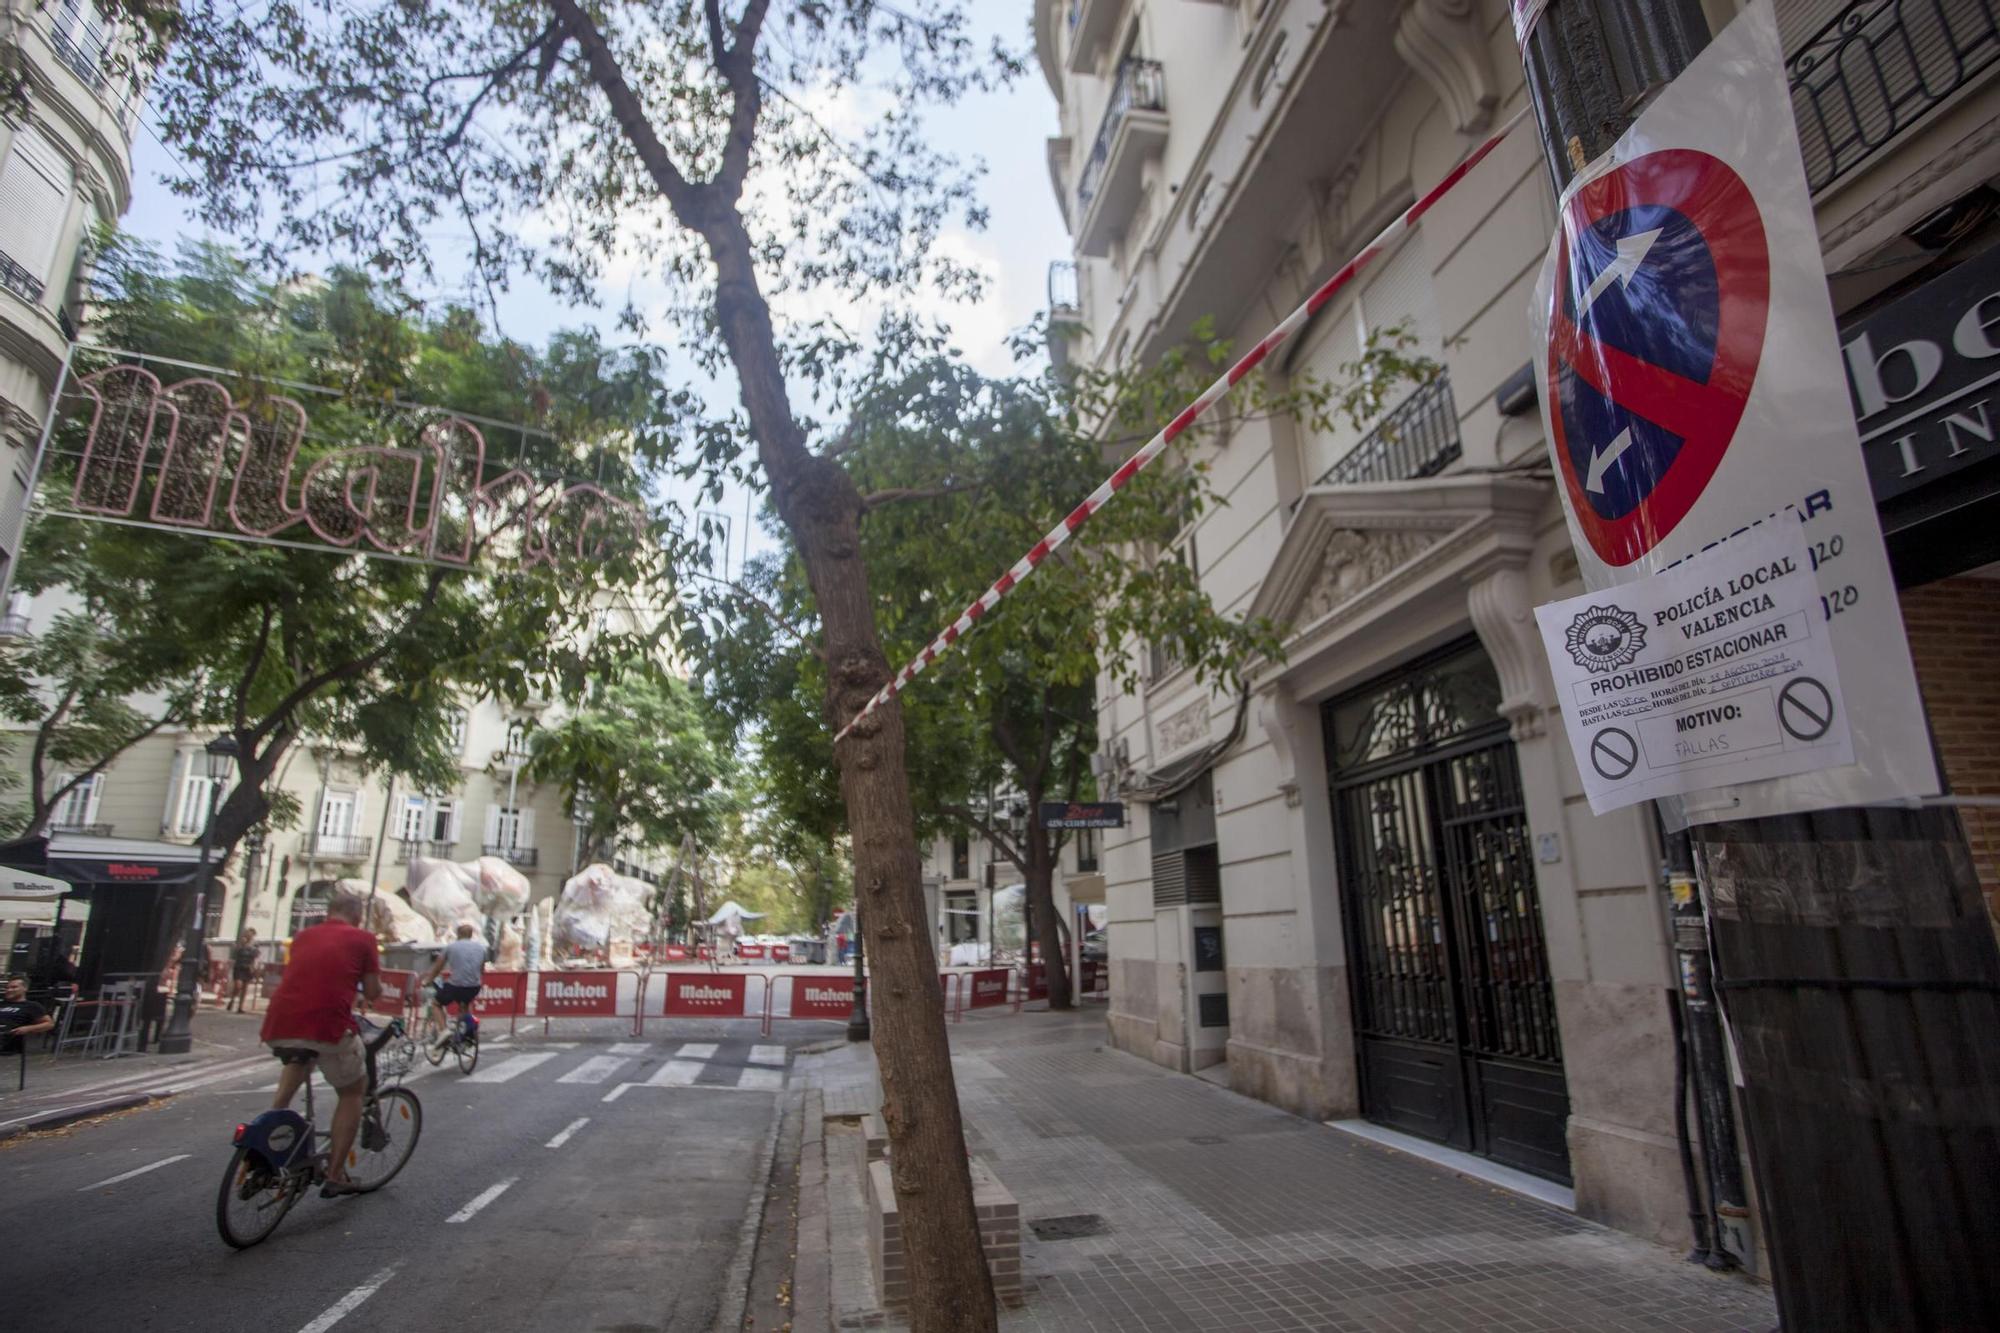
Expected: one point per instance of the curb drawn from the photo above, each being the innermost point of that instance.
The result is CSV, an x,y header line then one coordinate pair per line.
x,y
69,1115
736,1282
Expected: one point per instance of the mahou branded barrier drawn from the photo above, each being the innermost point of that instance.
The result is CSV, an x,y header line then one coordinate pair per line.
x,y
399,992
585,995
502,995
754,952
820,997
988,988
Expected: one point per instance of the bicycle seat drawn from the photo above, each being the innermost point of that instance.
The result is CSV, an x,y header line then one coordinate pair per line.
x,y
294,1055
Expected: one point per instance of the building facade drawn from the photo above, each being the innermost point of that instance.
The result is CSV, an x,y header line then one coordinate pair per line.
x,y
973,893
1419,923
65,170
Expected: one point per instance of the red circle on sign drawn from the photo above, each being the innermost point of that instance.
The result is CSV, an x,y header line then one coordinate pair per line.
x,y
1704,414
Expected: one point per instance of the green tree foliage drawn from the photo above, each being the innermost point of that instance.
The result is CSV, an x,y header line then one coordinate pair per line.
x,y
271,644
638,758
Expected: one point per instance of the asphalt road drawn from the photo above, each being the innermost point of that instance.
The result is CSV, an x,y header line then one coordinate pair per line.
x,y
587,1181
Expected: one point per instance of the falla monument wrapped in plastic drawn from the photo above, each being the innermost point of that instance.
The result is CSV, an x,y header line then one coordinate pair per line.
x,y
601,916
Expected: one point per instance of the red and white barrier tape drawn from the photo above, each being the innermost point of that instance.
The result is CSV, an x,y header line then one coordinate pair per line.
x,y
1154,447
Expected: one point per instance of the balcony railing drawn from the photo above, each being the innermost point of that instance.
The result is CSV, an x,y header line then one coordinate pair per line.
x,y
80,830
1877,68
84,64
343,846
1418,439
429,848
19,281
520,856
1141,86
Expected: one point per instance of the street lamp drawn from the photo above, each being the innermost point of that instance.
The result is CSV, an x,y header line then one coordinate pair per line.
x,y
178,1039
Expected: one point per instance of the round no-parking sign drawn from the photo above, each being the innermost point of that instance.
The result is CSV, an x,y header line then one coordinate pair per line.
x,y
1656,330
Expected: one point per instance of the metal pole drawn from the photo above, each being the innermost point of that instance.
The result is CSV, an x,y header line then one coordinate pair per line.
x,y
35,474
178,1038
858,1028
1852,949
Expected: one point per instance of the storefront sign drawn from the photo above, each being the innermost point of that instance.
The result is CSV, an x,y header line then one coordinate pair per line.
x,y
578,995
1923,373
706,993
1720,669
1073,814
1694,397
502,995
822,997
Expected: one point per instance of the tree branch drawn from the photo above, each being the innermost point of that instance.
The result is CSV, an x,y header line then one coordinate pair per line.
x,y
896,494
965,814
249,676
739,69
684,196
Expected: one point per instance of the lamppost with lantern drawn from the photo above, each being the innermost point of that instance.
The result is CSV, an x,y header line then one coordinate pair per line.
x,y
178,1039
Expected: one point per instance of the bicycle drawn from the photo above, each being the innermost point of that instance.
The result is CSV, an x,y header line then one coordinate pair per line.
x,y
458,1037
281,1155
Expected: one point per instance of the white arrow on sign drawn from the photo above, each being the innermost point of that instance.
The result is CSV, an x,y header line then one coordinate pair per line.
x,y
1602,459
1631,254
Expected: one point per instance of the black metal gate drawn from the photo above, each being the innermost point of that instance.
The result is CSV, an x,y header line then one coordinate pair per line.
x,y
1453,1012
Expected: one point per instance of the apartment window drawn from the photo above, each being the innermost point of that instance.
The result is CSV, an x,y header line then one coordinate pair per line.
x,y
517,738
338,813
961,857
196,791
458,722
79,31
78,807
35,185
509,828
443,820
1086,851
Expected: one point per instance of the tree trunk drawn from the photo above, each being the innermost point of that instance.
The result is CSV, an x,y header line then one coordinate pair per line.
x,y
1042,900
950,1289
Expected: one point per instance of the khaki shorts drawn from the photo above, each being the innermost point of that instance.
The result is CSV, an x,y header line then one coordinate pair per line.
x,y
343,1063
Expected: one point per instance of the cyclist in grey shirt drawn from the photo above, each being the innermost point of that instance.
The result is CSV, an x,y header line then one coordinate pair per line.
x,y
463,964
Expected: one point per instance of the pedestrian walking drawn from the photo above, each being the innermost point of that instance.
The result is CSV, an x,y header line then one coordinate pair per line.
x,y
242,968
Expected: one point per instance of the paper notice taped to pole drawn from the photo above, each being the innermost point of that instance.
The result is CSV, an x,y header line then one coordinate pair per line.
x,y
1695,400
1722,668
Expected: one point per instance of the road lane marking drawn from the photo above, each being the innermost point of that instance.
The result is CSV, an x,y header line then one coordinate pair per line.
x,y
512,1067
165,1161
347,1304
768,1055
466,1213
619,1091
698,1050
632,1048
564,1137
760,1080
675,1074
595,1070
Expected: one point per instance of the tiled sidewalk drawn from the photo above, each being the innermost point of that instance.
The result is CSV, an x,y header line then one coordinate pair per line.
x,y
1221,1213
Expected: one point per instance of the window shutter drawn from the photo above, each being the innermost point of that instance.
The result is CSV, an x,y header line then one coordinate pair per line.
x,y
34,201
96,794
173,791
492,826
454,824
354,820
524,834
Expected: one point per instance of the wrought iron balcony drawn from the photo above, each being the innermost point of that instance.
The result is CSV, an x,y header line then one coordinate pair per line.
x,y
1141,86
1877,68
342,846
428,848
19,281
85,65
80,830
1418,439
519,856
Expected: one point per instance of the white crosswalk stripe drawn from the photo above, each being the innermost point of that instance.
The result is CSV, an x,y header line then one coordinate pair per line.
x,y
675,1074
511,1068
756,1078
595,1070
697,1050
632,1048
768,1055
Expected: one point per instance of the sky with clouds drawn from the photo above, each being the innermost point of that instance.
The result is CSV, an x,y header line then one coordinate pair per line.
x,y
1007,130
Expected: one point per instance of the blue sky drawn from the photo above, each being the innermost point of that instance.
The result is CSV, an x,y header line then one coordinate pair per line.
x,y
1007,130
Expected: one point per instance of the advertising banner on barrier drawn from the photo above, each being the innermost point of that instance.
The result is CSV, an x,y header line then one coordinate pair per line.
x,y
502,995
676,953
821,997
707,995
989,988
578,995
781,953
753,952
397,988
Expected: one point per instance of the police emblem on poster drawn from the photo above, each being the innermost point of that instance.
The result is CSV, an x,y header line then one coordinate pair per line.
x,y
1604,638
1694,399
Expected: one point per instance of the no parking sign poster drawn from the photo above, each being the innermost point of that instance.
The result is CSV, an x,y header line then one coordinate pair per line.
x,y
1698,419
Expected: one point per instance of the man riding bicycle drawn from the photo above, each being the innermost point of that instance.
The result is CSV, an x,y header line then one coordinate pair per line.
x,y
313,1010
463,963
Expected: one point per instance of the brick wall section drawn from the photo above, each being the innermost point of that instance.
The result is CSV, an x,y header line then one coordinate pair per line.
x,y
999,1237
1954,629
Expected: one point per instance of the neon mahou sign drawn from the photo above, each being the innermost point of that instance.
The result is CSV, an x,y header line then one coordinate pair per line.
x,y
230,468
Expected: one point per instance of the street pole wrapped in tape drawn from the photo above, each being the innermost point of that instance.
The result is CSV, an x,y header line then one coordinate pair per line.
x,y
1154,447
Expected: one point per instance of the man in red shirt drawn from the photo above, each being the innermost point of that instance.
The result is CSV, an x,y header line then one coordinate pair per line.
x,y
313,1010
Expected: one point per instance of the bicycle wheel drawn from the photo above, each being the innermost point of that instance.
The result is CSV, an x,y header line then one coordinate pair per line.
x,y
390,1126
468,1053
432,1039
253,1200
